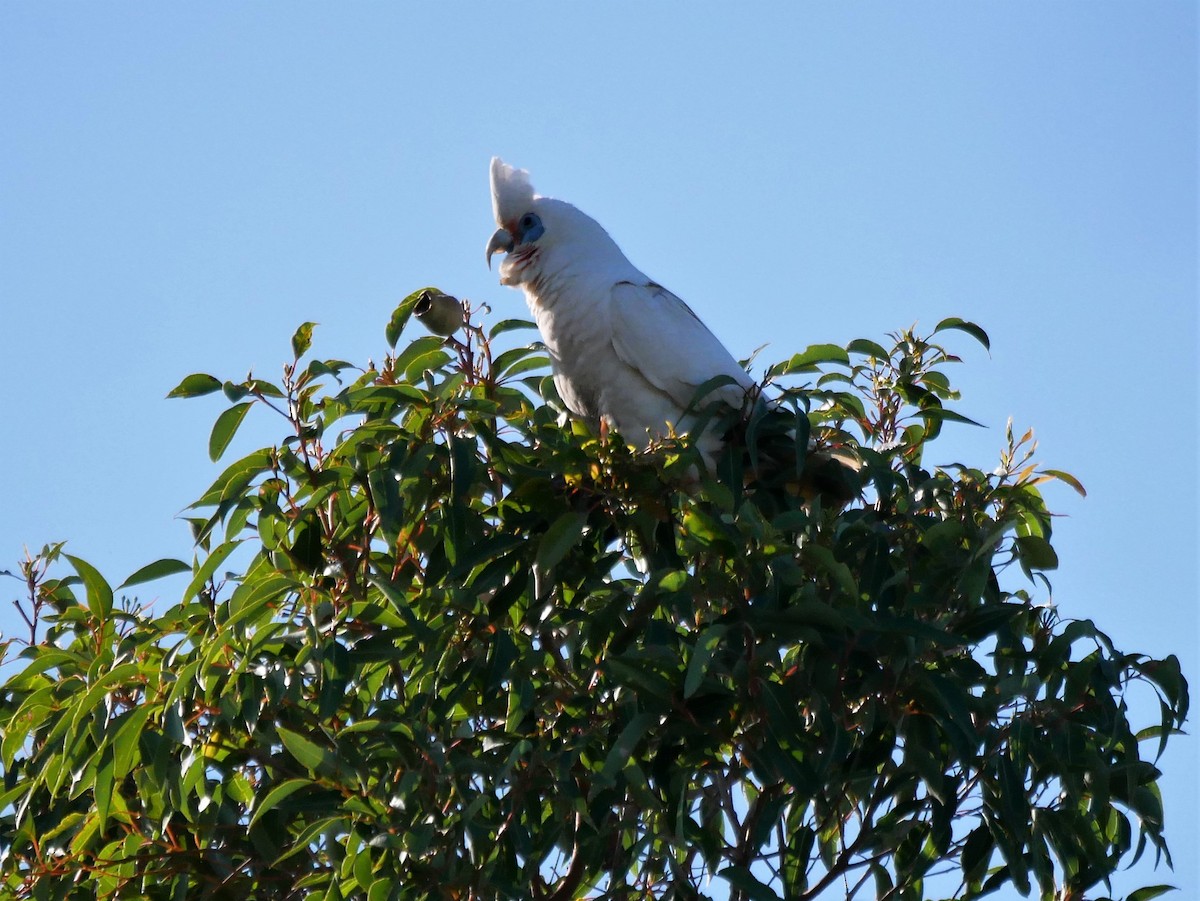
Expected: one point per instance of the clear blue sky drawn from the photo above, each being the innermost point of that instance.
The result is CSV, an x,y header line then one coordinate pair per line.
x,y
180,186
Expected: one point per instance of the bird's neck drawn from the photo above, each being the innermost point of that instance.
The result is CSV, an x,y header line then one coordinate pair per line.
x,y
583,279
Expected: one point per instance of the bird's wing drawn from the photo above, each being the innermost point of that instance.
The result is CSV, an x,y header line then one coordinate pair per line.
x,y
657,334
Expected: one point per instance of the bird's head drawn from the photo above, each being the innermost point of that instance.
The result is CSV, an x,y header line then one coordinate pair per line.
x,y
539,233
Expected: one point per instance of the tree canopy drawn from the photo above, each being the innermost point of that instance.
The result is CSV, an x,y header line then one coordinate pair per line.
x,y
439,640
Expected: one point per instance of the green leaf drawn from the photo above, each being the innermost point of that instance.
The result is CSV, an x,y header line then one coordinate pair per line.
x,y
507,360
225,428
637,674
744,881
1068,478
783,716
823,558
195,385
403,313
102,791
848,676
254,595
399,602
282,791
977,852
236,477
1150,891
266,389
119,677
156,570
125,741
208,568
509,325
302,339
419,348
99,594
564,533
963,325
528,364
426,362
622,750
1036,553
706,645
306,751
867,348
941,414
817,353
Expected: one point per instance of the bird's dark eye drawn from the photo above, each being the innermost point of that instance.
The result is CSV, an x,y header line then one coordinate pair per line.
x,y
531,227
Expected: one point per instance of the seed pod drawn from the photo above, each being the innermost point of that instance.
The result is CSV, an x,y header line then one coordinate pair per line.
x,y
440,313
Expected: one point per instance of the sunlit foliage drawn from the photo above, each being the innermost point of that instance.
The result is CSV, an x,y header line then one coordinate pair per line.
x,y
439,641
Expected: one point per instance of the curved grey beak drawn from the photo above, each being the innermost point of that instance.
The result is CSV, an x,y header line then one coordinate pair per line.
x,y
501,240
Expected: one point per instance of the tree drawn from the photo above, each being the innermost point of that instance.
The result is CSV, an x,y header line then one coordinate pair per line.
x,y
440,641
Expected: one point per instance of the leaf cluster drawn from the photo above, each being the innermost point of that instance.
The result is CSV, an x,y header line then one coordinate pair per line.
x,y
439,640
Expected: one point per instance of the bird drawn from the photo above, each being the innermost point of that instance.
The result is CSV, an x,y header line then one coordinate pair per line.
x,y
624,351
626,354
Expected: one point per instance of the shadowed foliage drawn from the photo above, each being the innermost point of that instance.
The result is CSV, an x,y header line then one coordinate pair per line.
x,y
440,641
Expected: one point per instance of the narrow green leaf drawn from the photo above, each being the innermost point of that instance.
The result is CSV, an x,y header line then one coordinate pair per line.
x,y
501,364
529,364
640,676
254,595
426,362
305,750
1150,891
977,852
419,348
225,428
706,645
396,597
358,862
840,572
509,325
744,881
279,793
99,594
207,569
302,339
941,414
125,741
564,533
783,720
156,570
123,676
195,385
1068,478
236,477
102,791
622,750
310,833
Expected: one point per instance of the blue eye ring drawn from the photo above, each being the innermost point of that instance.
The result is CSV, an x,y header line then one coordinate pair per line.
x,y
530,227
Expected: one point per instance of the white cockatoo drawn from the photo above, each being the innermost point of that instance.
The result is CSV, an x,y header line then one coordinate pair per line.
x,y
625,351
